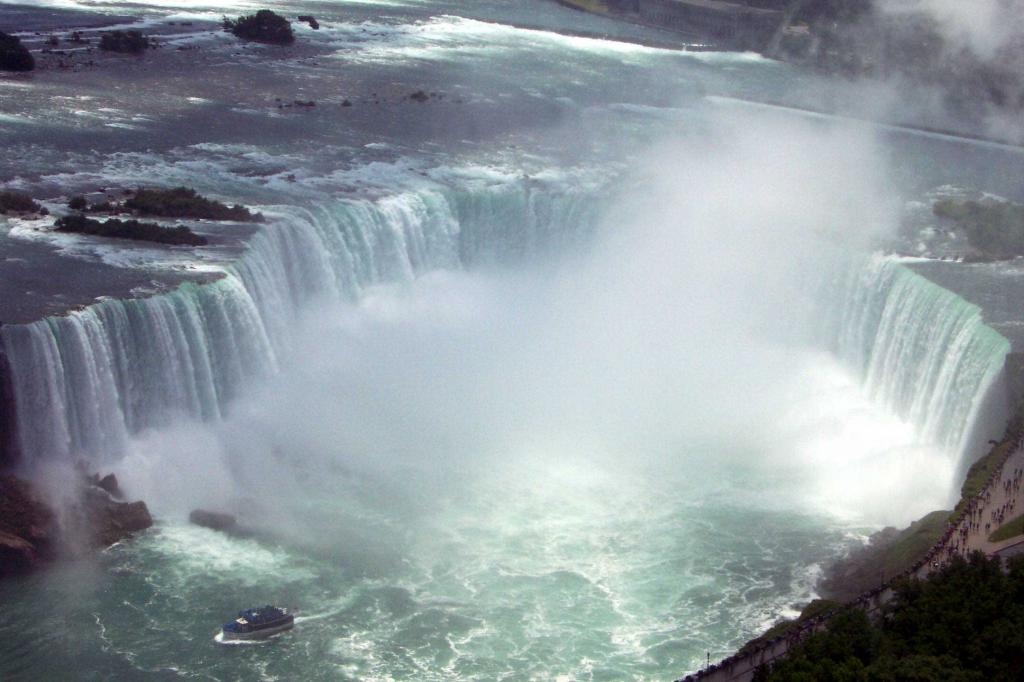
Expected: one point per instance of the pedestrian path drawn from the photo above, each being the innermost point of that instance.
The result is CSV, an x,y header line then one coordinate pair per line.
x,y
1000,502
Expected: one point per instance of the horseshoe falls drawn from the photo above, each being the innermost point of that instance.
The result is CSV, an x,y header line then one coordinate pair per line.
x,y
123,366
569,367
85,381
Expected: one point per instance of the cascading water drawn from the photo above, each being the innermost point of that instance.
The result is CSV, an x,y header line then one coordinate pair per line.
x,y
920,350
85,381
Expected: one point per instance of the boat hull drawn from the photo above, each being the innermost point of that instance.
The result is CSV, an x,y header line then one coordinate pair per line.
x,y
262,633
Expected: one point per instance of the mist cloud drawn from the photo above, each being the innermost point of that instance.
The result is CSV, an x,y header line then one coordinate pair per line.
x,y
983,26
682,338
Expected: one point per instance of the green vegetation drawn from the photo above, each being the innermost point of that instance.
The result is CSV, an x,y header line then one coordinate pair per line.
x,y
1010,529
127,42
781,629
994,227
263,27
964,624
13,55
979,475
182,202
129,229
19,202
889,554
982,471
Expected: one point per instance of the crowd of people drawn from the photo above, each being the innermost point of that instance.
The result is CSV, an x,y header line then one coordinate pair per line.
x,y
972,519
954,541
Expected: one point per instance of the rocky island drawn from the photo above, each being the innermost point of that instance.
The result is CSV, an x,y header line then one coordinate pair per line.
x,y
33,534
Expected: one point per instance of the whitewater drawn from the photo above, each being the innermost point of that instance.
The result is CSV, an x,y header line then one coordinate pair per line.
x,y
575,371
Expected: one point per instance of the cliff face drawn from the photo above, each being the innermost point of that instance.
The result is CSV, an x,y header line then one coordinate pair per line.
x,y
30,534
27,527
8,435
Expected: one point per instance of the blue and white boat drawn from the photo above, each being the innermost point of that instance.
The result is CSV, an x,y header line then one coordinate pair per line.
x,y
259,622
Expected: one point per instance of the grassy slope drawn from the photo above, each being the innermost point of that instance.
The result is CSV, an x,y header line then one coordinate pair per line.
x,y
1010,529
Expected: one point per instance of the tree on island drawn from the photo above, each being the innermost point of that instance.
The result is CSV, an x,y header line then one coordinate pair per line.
x,y
129,229
19,202
263,27
126,42
182,202
13,55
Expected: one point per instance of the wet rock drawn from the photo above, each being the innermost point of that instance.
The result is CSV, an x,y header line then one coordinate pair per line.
x,y
113,521
109,483
311,20
27,528
213,520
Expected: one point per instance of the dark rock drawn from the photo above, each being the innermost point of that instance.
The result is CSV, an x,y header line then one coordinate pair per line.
x,y
109,483
419,96
311,20
346,103
213,520
13,55
113,521
27,527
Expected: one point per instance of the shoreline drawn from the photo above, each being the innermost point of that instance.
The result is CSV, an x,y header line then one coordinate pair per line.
x,y
990,468
589,36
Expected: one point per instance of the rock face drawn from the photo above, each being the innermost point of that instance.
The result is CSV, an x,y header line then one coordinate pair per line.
x,y
113,521
213,520
27,528
108,483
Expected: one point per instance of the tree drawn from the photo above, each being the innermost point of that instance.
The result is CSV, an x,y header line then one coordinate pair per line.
x,y
263,27
13,55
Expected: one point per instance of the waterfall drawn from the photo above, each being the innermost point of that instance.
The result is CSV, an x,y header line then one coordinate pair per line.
x,y
920,350
83,382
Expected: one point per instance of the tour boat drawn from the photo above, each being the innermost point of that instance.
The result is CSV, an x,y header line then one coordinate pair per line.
x,y
258,623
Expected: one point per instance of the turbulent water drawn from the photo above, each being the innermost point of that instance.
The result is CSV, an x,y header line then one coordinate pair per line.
x,y
580,371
